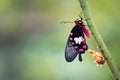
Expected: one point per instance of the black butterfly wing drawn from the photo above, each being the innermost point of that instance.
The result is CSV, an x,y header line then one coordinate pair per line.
x,y
76,44
70,52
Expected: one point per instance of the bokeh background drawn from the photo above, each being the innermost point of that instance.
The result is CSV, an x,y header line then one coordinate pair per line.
x,y
32,40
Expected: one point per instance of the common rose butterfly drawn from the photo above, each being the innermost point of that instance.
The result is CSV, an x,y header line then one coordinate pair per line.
x,y
76,43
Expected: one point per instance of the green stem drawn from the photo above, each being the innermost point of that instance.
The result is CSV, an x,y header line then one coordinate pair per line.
x,y
104,50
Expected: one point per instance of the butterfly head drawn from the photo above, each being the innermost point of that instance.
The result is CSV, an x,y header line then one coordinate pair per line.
x,y
78,22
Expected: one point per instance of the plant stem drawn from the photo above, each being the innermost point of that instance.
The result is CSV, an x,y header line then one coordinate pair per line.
x,y
104,50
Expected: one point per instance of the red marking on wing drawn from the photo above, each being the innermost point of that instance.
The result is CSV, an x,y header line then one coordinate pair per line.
x,y
83,28
73,43
76,47
86,32
71,34
84,46
71,38
81,50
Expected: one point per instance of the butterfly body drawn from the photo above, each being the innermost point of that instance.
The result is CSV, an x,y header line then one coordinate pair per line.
x,y
76,44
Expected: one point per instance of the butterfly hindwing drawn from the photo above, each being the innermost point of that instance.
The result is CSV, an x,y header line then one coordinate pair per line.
x,y
70,52
76,44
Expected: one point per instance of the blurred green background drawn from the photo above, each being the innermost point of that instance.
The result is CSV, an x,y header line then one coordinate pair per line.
x,y
32,40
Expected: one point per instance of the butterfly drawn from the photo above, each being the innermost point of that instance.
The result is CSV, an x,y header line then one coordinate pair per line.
x,y
76,43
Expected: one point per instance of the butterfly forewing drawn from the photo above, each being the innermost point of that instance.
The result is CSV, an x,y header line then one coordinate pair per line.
x,y
76,44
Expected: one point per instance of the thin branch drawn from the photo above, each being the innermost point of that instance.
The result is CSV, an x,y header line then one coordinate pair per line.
x,y
104,50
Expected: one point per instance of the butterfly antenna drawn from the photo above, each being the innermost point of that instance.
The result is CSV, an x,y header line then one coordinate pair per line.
x,y
64,22
80,15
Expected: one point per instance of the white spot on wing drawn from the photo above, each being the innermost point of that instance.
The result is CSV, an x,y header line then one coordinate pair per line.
x,y
78,40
